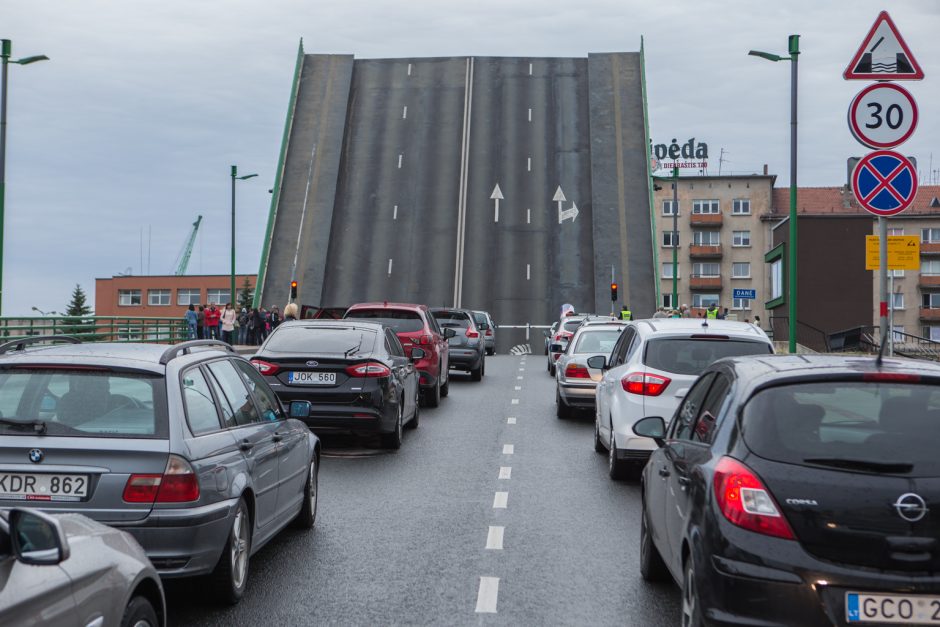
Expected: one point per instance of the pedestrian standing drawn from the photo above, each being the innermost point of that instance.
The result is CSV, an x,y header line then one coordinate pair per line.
x,y
228,323
275,317
243,327
212,322
192,319
684,311
290,312
257,321
201,323
265,324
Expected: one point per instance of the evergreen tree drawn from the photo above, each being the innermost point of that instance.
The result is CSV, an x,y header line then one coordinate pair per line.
x,y
244,296
76,312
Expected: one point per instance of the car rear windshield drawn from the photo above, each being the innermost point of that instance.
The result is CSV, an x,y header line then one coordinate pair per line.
x,y
572,325
686,355
82,403
479,318
597,342
452,319
854,425
321,340
398,320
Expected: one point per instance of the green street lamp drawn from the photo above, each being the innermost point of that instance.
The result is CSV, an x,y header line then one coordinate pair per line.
x,y
794,47
6,47
235,177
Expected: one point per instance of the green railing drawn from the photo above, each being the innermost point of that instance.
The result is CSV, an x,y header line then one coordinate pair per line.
x,y
98,328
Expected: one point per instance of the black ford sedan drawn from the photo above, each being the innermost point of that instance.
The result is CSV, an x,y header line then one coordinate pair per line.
x,y
354,374
799,491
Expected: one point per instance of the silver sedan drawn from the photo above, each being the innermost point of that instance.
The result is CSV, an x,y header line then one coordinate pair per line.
x,y
575,382
66,569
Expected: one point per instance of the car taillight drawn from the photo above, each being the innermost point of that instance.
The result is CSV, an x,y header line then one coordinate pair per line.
x,y
489,333
472,334
425,339
177,484
577,371
265,368
645,384
370,370
745,501
891,377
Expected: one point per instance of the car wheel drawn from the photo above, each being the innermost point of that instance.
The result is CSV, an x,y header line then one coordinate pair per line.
x,y
598,444
445,388
432,398
551,369
413,423
308,512
652,566
691,611
230,577
562,410
393,440
476,374
139,613
615,467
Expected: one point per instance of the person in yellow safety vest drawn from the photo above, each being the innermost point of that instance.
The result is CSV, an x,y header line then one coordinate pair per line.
x,y
712,312
625,313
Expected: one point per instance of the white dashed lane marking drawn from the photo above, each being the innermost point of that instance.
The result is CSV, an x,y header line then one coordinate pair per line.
x,y
518,387
508,449
511,420
494,539
500,500
487,595
505,472
515,401
399,162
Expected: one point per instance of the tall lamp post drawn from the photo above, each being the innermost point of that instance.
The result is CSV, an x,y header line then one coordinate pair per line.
x,y
235,177
6,47
675,236
794,48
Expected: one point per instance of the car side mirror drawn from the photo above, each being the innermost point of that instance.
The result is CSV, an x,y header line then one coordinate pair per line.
x,y
37,538
300,409
597,362
417,354
449,333
546,334
653,427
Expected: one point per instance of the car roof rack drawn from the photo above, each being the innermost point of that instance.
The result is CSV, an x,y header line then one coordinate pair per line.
x,y
185,348
22,343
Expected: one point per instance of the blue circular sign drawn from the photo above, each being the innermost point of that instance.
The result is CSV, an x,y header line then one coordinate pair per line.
x,y
884,182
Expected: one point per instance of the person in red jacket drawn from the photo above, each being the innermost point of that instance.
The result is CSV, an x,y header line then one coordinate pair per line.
x,y
212,322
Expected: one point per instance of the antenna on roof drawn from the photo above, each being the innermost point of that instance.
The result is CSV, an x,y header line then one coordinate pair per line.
x,y
704,324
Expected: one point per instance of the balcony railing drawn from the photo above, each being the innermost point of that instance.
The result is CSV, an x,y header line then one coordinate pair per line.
x,y
706,219
930,248
705,282
710,252
928,314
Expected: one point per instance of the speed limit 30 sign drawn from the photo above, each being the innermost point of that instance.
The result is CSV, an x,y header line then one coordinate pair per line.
x,y
883,115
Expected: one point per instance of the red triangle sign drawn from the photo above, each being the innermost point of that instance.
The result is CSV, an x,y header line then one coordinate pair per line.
x,y
884,55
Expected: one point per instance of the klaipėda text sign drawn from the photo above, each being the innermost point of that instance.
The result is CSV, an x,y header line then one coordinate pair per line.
x,y
690,155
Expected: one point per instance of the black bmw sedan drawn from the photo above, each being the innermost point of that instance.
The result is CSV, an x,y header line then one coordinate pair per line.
x,y
355,375
799,490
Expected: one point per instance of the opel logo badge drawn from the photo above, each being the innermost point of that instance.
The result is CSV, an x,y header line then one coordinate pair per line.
x,y
911,507
36,455
313,363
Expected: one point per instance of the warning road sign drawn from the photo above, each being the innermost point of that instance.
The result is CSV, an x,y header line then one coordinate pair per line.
x,y
884,182
883,55
903,252
883,115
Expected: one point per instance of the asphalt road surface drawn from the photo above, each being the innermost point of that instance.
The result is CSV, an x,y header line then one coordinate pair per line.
x,y
401,538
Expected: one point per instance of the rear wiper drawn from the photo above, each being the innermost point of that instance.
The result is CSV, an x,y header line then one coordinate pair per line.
x,y
355,348
861,464
39,426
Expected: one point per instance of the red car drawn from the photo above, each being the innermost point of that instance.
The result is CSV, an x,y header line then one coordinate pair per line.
x,y
415,327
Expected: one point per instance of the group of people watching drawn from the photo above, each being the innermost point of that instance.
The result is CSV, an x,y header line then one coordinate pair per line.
x,y
249,326
713,312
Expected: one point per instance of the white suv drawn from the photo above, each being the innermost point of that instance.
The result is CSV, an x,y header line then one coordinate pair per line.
x,y
648,373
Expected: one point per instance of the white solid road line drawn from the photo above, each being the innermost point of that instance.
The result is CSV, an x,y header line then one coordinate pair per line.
x,y
511,420
505,472
494,538
463,184
487,595
389,267
404,113
508,449
399,161
395,213
500,500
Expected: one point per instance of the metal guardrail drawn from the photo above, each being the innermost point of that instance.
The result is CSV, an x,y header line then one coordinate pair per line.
x,y
868,338
97,328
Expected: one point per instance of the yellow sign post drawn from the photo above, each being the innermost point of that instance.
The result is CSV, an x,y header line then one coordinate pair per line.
x,y
903,252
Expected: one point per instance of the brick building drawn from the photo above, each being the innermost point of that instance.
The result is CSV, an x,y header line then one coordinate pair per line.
x,y
163,296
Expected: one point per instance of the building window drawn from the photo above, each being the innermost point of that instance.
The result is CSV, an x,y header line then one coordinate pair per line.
x,y
706,270
898,274
743,304
741,238
897,301
931,301
895,232
776,279
702,301
668,206
930,236
705,238
930,267
128,297
741,270
705,206
667,301
668,239
188,296
218,297
741,207
129,334
932,333
158,297
667,271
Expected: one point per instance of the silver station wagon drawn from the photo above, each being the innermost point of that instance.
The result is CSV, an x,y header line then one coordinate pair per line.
x,y
185,447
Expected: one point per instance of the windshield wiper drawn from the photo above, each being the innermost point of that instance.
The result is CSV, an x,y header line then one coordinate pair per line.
x,y
354,349
39,426
861,464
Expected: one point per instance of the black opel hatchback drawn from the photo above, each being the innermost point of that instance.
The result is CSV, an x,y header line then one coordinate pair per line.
x,y
799,491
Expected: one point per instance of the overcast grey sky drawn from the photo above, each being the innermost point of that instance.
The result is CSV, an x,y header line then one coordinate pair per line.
x,y
133,124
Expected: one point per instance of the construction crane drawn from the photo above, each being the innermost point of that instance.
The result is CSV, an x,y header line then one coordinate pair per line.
x,y
182,259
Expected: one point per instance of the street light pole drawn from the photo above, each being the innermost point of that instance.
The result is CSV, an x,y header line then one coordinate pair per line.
x,y
234,178
675,238
794,50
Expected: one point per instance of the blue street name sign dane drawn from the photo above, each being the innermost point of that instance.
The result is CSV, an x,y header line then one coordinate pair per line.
x,y
745,294
885,182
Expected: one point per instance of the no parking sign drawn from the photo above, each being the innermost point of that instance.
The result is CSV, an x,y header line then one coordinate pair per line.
x,y
884,182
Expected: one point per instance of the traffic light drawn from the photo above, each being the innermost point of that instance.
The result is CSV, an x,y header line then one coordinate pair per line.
x,y
613,292
293,290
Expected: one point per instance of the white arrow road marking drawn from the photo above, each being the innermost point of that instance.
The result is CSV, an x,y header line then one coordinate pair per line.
x,y
505,472
494,539
501,500
568,213
487,595
496,196
559,197
508,449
